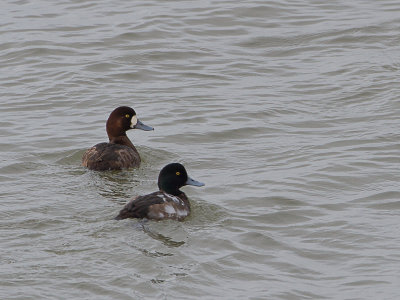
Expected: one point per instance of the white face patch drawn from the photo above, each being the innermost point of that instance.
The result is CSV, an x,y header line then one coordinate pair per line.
x,y
133,121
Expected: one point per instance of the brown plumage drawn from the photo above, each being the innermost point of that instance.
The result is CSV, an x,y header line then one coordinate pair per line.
x,y
119,152
157,206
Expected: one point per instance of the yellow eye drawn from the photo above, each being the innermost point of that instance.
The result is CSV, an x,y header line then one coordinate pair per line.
x,y
178,173
127,116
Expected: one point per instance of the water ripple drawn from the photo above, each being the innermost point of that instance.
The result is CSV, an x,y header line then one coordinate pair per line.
x,y
288,111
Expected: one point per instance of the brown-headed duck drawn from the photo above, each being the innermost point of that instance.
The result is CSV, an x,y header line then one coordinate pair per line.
x,y
168,203
119,153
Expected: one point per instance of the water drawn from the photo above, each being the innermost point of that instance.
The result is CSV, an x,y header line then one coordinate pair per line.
x,y
288,111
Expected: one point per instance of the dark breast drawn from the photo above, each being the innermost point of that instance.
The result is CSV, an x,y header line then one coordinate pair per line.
x,y
106,156
157,206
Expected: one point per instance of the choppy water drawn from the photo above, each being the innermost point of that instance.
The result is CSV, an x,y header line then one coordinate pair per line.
x,y
287,110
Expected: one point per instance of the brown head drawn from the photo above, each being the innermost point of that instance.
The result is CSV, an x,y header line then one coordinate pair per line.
x,y
122,119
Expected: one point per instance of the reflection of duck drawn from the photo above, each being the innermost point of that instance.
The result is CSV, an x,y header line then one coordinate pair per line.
x,y
119,152
168,203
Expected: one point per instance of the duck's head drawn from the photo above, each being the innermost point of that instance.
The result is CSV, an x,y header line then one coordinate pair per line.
x,y
174,176
122,119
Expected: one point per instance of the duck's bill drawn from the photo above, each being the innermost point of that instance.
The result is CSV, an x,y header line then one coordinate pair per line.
x,y
140,125
191,181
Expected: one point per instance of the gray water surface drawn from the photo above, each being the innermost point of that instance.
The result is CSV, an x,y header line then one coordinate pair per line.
x,y
287,110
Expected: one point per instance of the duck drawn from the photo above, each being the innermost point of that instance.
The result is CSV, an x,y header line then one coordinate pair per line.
x,y
119,153
169,202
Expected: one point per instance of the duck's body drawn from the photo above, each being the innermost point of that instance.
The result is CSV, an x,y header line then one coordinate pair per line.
x,y
119,153
109,156
157,206
167,203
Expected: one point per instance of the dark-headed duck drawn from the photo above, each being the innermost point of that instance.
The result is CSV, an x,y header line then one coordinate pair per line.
x,y
119,152
168,203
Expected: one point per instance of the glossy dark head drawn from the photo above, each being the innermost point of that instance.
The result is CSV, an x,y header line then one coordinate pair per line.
x,y
174,176
122,119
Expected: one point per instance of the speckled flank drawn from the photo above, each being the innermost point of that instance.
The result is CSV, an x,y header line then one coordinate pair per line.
x,y
167,197
158,205
171,209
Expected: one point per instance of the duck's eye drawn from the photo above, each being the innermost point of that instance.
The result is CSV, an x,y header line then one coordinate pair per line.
x,y
127,116
178,173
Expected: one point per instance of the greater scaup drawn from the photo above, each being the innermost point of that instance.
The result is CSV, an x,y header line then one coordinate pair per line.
x,y
168,203
119,152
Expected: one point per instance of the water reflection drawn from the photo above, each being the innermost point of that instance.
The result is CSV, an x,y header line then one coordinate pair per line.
x,y
165,240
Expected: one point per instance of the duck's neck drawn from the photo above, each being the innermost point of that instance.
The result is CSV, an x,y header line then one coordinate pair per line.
x,y
122,140
174,192
181,196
